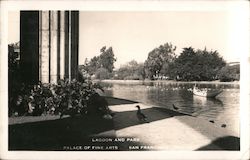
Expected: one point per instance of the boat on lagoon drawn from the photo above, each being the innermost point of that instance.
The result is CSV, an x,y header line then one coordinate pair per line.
x,y
206,92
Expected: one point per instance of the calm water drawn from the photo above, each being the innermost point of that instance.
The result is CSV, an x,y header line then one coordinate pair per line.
x,y
222,109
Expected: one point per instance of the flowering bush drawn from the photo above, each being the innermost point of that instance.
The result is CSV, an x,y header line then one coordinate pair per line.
x,y
66,97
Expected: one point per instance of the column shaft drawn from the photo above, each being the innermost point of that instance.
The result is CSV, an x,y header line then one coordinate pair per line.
x,y
62,44
66,28
53,47
29,46
44,47
49,45
70,45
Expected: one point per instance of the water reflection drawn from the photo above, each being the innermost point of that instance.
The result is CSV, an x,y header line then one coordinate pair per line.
x,y
203,102
224,108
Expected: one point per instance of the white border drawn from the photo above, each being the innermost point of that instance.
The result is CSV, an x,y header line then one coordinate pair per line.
x,y
241,9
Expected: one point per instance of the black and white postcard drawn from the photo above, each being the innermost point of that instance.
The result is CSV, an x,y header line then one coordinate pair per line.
x,y
124,80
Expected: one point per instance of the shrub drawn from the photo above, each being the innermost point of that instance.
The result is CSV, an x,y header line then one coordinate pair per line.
x,y
63,98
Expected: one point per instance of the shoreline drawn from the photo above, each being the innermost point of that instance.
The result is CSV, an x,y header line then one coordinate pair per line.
x,y
167,81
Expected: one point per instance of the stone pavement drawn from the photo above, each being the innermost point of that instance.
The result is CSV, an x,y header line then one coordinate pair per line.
x,y
169,130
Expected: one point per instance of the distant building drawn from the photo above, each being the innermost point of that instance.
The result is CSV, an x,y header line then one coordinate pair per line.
x,y
233,63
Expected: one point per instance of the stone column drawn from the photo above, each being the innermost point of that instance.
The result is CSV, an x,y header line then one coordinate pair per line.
x,y
53,46
66,61
74,43
49,45
29,46
62,45
44,47
70,45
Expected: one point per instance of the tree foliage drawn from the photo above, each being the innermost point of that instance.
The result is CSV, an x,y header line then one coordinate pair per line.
x,y
197,65
131,71
102,73
229,73
159,57
105,60
92,65
162,62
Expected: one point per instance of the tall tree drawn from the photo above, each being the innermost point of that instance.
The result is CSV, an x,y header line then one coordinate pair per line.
x,y
200,65
159,57
107,58
93,65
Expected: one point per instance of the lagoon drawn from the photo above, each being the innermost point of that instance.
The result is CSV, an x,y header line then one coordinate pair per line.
x,y
224,109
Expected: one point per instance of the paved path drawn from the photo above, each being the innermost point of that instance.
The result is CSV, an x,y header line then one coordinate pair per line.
x,y
168,130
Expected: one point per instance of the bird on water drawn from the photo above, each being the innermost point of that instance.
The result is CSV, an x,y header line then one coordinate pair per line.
x,y
223,125
141,117
175,108
212,121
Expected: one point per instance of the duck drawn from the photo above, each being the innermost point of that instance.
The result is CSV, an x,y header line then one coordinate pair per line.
x,y
175,108
212,121
223,125
141,117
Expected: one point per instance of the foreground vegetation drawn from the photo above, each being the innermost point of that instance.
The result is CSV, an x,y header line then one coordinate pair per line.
x,y
66,97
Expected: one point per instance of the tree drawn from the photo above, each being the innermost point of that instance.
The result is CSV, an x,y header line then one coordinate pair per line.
x,y
159,57
93,65
132,71
107,58
200,65
102,73
229,73
184,64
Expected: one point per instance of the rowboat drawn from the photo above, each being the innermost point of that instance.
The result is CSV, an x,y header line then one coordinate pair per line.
x,y
206,92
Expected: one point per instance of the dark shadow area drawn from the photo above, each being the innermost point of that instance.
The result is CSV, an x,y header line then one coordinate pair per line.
x,y
56,134
61,134
118,101
225,143
153,114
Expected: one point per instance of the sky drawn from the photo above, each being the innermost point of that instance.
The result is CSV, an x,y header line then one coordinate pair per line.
x,y
13,27
132,35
